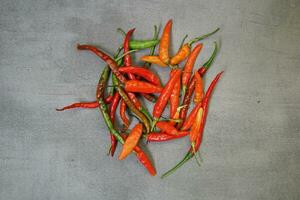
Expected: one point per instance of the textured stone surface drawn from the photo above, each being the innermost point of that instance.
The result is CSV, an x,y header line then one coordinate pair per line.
x,y
251,142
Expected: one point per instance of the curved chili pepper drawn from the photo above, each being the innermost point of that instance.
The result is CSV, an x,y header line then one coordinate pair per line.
x,y
192,151
174,98
164,96
141,86
162,137
131,141
112,114
189,65
93,104
127,57
164,43
185,50
167,127
106,58
152,49
145,73
208,63
123,115
198,96
154,60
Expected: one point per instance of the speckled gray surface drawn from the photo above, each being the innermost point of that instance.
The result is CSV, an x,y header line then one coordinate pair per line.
x,y
251,142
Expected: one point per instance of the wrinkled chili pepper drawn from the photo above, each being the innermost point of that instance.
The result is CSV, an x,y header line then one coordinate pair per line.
x,y
123,115
142,72
191,151
198,96
164,96
174,98
162,137
164,43
154,60
185,50
188,67
167,127
141,86
93,104
131,141
143,158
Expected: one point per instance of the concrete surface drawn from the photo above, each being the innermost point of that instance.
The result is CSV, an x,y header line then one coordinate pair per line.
x,y
251,143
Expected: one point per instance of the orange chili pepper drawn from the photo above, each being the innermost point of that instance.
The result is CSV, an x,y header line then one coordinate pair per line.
x,y
174,98
167,127
123,114
153,59
141,86
191,118
196,128
181,54
188,67
131,141
198,96
164,43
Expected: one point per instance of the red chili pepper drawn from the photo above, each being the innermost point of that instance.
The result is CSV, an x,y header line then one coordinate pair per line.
x,y
174,98
106,58
112,113
143,158
93,104
143,72
189,65
127,57
131,141
191,118
165,42
150,97
123,115
164,96
141,86
208,63
162,137
198,96
153,59
108,99
167,127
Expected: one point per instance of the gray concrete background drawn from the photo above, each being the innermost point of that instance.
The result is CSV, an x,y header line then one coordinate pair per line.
x,y
251,142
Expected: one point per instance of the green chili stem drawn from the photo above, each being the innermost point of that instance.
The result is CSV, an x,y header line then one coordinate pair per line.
x,y
211,59
182,42
202,37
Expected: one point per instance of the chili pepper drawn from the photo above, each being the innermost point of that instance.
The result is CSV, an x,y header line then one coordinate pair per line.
x,y
131,141
127,58
191,152
186,48
108,99
141,86
140,44
191,118
132,107
123,115
152,49
167,127
198,88
174,98
142,157
175,117
150,97
164,96
112,114
188,67
208,63
93,104
162,137
106,58
164,43
196,128
154,60
145,73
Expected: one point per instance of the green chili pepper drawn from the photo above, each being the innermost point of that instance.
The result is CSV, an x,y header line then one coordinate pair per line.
x,y
140,44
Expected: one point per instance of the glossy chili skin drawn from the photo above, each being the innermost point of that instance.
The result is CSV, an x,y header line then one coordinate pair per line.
x,y
191,118
165,42
142,72
141,87
198,96
167,127
191,151
154,60
195,130
175,97
165,95
106,58
123,115
93,104
162,137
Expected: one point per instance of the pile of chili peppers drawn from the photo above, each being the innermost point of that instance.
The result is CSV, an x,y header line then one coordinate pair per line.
x,y
130,83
